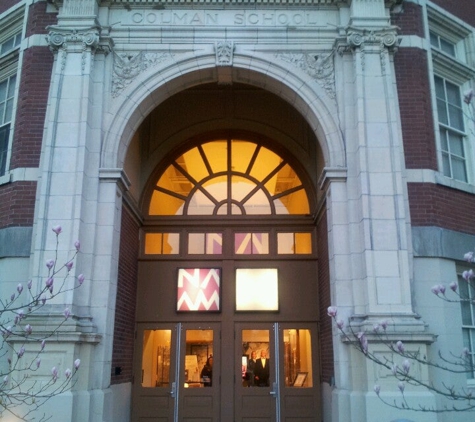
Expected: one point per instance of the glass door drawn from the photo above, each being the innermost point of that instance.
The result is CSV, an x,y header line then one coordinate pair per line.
x,y
177,379
278,380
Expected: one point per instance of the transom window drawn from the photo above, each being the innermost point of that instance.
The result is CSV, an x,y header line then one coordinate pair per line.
x,y
229,177
443,44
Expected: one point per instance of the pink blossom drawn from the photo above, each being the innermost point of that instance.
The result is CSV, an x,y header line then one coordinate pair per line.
x,y
30,283
332,311
43,344
12,297
453,286
54,373
377,389
400,346
28,329
50,263
80,279
406,365
363,342
442,289
376,327
435,289
68,373
384,324
38,363
69,265
57,230
19,288
469,257
467,275
67,313
401,387
77,363
21,314
43,299
340,324
21,352
77,245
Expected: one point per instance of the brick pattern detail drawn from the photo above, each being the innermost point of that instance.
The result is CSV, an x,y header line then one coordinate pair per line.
x,y
326,338
417,119
17,204
38,19
124,326
463,9
440,206
410,20
6,4
32,101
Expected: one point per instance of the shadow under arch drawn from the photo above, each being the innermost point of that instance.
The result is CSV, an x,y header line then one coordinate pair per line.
x,y
296,87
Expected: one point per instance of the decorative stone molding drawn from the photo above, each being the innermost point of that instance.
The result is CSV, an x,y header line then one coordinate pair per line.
x,y
84,41
362,41
128,65
318,66
224,53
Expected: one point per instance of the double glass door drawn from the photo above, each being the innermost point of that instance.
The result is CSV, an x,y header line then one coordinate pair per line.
x,y
226,371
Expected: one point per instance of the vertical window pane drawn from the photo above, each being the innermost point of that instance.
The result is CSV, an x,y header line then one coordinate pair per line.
x,y
205,243
162,243
199,358
298,358
251,243
447,47
456,117
442,112
303,243
458,170
446,165
156,358
255,358
434,40
4,135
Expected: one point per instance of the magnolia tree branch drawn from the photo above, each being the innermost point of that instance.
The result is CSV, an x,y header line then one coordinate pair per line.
x,y
398,361
19,395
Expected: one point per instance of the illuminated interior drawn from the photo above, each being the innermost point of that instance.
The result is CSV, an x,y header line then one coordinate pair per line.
x,y
229,177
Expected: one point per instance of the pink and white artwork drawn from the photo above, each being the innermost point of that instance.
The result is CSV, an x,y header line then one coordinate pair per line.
x,y
198,289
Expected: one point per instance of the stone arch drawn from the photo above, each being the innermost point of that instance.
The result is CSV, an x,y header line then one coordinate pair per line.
x,y
285,80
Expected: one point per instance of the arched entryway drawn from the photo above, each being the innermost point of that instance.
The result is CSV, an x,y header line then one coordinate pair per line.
x,y
228,271
228,193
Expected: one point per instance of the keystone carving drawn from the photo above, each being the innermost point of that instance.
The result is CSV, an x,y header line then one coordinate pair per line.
x,y
224,53
127,66
318,66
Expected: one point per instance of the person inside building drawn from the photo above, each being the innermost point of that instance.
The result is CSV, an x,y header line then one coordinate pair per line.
x,y
261,370
207,373
249,378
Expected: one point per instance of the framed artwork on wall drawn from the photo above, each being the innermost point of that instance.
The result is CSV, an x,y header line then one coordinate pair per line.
x,y
198,290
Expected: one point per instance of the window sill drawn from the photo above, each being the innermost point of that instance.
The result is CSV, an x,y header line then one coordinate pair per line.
x,y
435,177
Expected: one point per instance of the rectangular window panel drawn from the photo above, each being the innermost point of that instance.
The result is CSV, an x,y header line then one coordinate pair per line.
x,y
255,347
156,358
4,134
257,289
251,243
205,243
162,243
199,358
294,243
467,294
198,289
298,358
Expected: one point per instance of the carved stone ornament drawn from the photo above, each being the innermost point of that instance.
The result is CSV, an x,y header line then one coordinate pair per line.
x,y
64,38
387,39
224,53
319,66
128,65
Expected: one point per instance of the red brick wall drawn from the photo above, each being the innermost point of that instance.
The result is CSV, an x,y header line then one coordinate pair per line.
x,y
463,9
436,205
31,107
38,19
6,4
417,120
409,20
17,202
122,355
326,338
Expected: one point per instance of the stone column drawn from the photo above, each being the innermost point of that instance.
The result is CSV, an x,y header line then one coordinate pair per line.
x,y
67,195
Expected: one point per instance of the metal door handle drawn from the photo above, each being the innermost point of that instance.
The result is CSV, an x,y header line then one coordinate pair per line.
x,y
173,390
274,389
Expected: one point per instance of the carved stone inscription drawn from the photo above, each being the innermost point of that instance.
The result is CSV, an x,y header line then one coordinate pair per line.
x,y
242,18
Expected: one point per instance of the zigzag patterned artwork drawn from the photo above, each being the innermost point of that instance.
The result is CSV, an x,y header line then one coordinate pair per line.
x,y
198,289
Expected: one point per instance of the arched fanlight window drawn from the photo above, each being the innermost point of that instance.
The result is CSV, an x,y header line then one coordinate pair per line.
x,y
229,177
